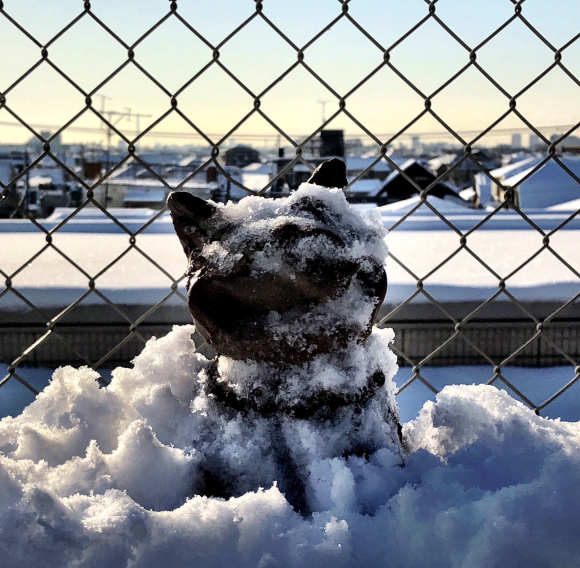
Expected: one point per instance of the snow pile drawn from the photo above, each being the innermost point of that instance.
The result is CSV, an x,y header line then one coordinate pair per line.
x,y
96,477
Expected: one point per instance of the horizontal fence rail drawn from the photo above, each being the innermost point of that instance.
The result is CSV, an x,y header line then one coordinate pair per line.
x,y
430,333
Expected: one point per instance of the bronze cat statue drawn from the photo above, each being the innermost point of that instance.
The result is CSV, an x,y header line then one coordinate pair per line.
x,y
286,291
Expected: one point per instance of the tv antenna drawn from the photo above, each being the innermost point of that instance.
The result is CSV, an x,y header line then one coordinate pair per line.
x,y
323,108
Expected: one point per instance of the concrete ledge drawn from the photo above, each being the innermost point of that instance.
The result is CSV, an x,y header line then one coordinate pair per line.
x,y
81,344
494,311
102,314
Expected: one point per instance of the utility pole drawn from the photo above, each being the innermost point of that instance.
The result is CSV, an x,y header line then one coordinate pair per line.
x,y
103,98
137,116
323,108
128,114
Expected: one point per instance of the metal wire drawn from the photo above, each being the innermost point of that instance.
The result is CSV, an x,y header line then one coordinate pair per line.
x,y
458,326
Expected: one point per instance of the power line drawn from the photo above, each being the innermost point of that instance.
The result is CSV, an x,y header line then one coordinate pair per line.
x,y
275,136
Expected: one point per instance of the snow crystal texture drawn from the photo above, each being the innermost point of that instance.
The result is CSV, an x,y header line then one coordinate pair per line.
x,y
94,477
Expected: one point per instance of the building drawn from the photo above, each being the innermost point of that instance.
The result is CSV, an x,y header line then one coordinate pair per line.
x,y
571,145
154,198
360,170
398,187
440,164
516,140
44,196
546,187
535,142
550,185
220,184
489,190
416,145
256,176
241,156
37,145
12,164
332,144
463,171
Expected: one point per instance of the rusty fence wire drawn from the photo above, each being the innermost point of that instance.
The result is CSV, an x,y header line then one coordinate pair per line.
x,y
135,328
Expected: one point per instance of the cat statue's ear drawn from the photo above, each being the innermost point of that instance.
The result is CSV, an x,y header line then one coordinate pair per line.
x,y
191,218
331,173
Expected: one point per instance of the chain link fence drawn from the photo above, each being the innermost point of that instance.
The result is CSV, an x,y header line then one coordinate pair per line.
x,y
527,334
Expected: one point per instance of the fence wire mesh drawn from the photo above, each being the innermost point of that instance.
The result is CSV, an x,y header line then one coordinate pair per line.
x,y
135,327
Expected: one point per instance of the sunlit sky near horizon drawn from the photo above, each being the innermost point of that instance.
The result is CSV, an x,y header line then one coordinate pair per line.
x,y
257,56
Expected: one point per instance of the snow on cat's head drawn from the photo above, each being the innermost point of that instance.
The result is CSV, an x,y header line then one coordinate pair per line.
x,y
281,279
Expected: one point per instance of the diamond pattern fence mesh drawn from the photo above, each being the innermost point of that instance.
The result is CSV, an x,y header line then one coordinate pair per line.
x,y
532,332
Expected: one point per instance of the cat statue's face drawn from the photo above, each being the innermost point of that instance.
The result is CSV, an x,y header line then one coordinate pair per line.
x,y
281,280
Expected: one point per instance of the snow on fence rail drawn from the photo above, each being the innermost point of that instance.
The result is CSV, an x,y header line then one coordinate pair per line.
x,y
533,320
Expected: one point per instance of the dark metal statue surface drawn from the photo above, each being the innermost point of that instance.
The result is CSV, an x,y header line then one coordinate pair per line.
x,y
286,291
231,307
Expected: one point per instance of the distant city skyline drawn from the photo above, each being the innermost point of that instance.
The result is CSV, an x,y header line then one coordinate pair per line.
x,y
256,55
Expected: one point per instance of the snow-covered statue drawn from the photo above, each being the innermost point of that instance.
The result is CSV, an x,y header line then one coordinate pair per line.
x,y
286,291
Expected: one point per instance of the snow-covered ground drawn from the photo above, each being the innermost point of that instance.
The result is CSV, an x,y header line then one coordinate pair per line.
x,y
420,242
94,477
537,384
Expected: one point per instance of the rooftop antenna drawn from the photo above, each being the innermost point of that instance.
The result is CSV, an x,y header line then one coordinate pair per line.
x,y
103,98
323,108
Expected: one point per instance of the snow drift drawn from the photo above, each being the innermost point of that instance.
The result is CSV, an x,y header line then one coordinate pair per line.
x,y
96,477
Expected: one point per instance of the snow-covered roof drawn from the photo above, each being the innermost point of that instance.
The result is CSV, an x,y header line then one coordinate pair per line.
x,y
515,168
358,163
56,174
153,183
258,168
152,195
448,205
122,170
408,162
370,187
573,205
187,160
468,193
255,181
550,185
392,155
513,157
36,181
443,160
397,158
95,214
483,183
479,154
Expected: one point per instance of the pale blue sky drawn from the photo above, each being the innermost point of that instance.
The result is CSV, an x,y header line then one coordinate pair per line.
x,y
257,56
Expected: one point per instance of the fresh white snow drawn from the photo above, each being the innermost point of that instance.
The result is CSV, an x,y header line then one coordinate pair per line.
x,y
94,477
537,384
50,280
